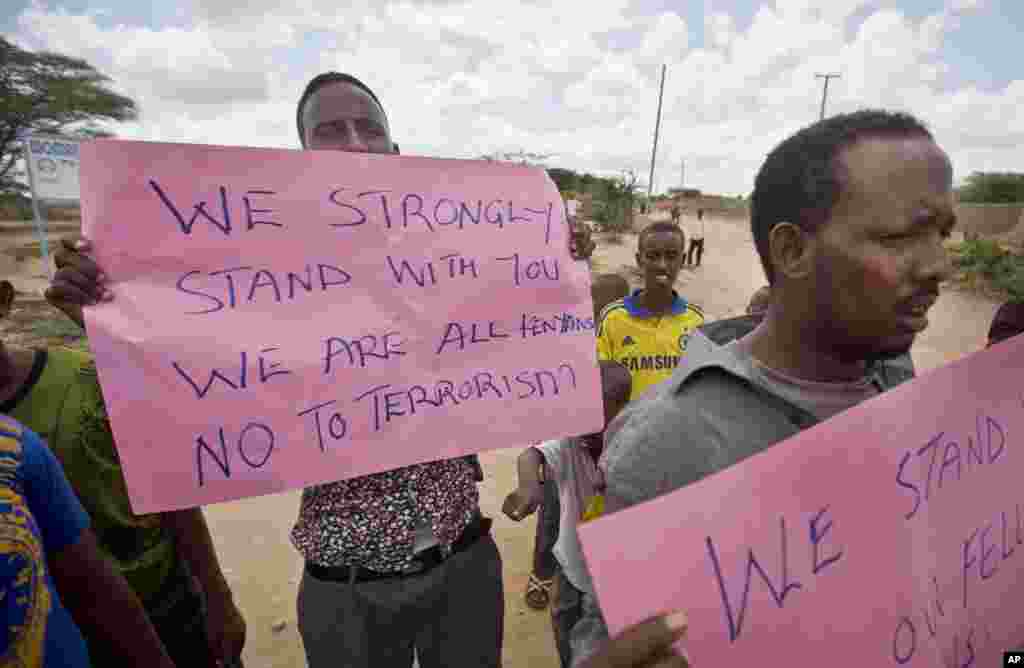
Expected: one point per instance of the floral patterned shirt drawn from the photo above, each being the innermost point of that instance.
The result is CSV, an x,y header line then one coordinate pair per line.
x,y
371,521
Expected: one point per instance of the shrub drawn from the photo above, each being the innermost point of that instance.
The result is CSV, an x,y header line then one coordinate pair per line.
x,y
1001,268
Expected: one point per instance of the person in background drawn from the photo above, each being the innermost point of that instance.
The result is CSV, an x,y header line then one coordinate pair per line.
x,y
607,289
849,217
604,289
398,562
54,580
56,393
571,208
696,241
571,464
1007,322
675,213
647,331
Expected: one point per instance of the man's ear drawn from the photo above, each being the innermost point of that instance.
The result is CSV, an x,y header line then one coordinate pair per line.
x,y
6,298
791,250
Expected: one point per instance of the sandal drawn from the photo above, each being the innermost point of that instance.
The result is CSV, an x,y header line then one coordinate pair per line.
x,y
538,592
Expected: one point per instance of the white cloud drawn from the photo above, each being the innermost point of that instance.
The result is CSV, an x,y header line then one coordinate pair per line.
x,y
466,77
965,5
198,66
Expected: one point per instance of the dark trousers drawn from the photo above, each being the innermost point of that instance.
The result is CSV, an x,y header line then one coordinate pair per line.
x,y
696,247
566,611
579,631
453,615
544,564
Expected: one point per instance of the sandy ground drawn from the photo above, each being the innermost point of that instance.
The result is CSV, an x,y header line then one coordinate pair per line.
x,y
252,535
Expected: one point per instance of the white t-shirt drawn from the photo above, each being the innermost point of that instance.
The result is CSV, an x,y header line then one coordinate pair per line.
x,y
697,229
577,477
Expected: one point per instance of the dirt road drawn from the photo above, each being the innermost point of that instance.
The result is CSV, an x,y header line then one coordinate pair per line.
x,y
252,535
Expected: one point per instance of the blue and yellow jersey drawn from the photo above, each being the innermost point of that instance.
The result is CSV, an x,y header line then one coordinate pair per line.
x,y
650,346
40,517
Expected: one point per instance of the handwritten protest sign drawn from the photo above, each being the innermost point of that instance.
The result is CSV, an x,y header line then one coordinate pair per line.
x,y
890,535
286,318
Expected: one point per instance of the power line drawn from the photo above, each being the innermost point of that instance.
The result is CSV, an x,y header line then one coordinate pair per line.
x,y
657,127
824,91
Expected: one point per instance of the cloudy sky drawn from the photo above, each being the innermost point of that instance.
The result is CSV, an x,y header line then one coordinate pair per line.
x,y
575,79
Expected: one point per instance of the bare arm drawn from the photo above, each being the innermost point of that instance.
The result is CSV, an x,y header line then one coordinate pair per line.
x,y
525,500
530,466
104,606
225,627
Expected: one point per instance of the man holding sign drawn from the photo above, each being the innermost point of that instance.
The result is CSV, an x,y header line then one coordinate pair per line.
x,y
395,561
849,217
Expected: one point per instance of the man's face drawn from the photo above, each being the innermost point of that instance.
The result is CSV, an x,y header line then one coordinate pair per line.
x,y
880,257
343,117
660,259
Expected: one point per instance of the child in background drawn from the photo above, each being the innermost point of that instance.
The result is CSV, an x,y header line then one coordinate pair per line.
x,y
647,332
605,289
572,464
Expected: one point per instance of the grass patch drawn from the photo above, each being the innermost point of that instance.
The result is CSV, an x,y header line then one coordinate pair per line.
x,y
986,264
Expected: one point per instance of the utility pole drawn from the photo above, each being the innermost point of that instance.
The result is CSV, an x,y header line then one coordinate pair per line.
x,y
657,127
824,91
682,173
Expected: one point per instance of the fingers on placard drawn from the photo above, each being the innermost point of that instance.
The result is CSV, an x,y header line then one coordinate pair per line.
x,y
72,252
74,278
67,292
650,641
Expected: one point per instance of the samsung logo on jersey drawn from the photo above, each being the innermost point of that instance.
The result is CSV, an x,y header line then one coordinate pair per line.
x,y
650,362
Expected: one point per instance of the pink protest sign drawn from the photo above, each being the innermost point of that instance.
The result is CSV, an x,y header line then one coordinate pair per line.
x,y
891,535
287,318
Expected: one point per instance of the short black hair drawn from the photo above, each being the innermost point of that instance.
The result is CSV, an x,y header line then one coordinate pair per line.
x,y
607,288
1007,322
800,181
318,82
616,381
660,226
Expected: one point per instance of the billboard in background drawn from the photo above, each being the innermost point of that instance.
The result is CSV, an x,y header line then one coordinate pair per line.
x,y
53,167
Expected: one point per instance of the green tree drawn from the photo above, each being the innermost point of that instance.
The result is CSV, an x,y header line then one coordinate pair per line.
x,y
50,92
565,179
619,199
993,188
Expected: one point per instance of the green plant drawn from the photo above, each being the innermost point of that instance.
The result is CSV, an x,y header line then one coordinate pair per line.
x,y
14,206
1007,274
986,258
977,254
